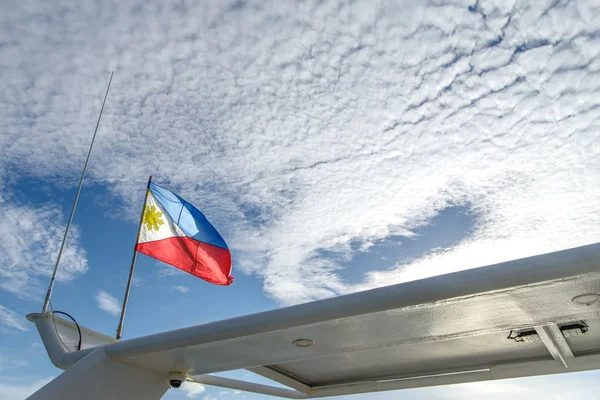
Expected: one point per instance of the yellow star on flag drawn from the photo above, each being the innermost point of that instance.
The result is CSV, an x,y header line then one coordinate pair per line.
x,y
152,218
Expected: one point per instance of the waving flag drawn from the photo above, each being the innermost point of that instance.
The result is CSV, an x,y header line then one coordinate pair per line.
x,y
175,232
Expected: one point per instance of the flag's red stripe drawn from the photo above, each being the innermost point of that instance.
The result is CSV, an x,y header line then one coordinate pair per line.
x,y
211,263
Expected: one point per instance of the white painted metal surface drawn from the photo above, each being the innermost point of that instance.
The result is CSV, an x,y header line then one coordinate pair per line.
x,y
556,343
96,377
61,338
446,329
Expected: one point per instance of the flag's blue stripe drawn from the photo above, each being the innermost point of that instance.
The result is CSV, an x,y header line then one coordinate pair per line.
x,y
191,221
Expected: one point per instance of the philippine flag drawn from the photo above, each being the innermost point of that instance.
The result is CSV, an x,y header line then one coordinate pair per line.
x,y
175,232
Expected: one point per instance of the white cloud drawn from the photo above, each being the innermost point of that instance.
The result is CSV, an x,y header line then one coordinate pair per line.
x,y
137,281
191,389
313,126
31,238
20,363
182,289
581,385
11,320
168,270
230,392
108,303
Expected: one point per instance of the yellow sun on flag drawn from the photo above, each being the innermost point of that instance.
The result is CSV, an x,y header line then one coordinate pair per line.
x,y
152,218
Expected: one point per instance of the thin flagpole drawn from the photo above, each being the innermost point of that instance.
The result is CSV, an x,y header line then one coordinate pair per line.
x,y
126,299
62,245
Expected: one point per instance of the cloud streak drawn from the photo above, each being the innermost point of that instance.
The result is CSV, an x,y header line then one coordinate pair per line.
x,y
11,320
181,289
31,237
108,303
305,127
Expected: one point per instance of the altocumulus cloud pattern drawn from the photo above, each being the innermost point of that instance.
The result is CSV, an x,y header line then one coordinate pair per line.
x,y
309,126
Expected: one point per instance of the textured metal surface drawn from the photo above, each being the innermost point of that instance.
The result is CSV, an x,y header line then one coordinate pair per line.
x,y
588,342
414,359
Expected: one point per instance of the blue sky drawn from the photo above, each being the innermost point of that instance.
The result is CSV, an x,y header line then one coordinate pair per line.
x,y
337,146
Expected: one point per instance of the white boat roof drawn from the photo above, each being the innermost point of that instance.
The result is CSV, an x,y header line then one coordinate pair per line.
x,y
445,329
